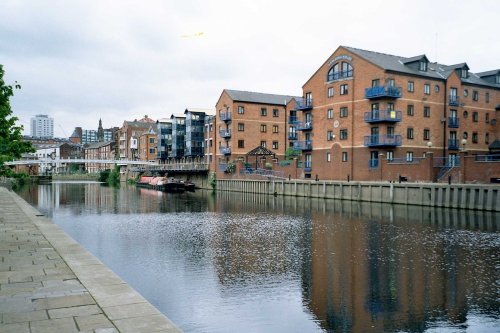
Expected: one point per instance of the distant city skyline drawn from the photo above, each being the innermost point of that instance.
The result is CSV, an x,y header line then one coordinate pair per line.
x,y
80,61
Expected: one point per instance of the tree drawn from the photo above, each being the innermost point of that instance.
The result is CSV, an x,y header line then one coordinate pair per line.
x,y
12,145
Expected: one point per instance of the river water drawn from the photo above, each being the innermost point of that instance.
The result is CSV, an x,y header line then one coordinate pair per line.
x,y
231,262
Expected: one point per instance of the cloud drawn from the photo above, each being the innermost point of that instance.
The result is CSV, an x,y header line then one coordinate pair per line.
x,y
79,61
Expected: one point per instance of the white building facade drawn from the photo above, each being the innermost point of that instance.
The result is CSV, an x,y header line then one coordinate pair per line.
x,y
42,126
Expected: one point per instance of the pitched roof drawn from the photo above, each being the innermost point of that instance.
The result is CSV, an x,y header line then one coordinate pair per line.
x,y
256,97
260,151
435,70
489,73
95,145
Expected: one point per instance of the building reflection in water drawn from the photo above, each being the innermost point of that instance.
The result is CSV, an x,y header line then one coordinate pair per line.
x,y
362,267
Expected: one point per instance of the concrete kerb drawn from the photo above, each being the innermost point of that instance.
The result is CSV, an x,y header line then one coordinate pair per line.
x,y
106,297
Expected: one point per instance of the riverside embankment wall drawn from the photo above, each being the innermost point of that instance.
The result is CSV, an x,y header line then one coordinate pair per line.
x,y
465,196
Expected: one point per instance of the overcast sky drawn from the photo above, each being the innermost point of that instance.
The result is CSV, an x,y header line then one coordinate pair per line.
x,y
79,61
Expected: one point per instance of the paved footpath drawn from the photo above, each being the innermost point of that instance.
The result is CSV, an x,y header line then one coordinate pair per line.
x,y
50,284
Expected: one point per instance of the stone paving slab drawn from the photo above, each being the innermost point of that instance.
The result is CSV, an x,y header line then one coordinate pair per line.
x,y
49,283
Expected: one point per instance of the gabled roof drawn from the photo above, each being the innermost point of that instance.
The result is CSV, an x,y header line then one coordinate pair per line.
x,y
415,59
260,151
200,110
461,66
258,98
489,73
95,145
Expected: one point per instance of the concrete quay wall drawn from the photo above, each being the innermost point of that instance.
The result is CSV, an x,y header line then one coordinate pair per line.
x,y
50,283
465,196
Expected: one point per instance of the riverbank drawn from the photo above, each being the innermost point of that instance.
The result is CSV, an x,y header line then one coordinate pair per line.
x,y
464,196
49,283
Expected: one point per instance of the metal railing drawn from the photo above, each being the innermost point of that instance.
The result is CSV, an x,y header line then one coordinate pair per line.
x,y
454,100
225,150
304,125
339,75
262,172
302,145
383,91
225,116
383,116
487,158
453,122
303,103
382,140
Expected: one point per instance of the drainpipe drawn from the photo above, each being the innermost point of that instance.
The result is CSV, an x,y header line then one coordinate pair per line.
x,y
351,159
444,115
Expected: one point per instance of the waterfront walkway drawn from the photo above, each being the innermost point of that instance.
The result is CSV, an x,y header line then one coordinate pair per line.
x,y
49,283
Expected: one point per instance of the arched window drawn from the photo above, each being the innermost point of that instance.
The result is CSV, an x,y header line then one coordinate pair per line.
x,y
339,70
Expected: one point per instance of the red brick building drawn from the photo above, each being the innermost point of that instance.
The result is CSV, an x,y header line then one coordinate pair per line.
x,y
362,111
246,120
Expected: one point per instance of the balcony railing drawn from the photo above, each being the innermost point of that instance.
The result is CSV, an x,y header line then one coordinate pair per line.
x,y
225,133
304,126
292,136
450,161
339,75
383,92
302,145
383,140
378,116
292,120
225,150
453,144
303,104
307,166
453,122
454,100
225,116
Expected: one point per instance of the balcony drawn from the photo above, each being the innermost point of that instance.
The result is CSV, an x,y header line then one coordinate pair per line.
x,y
292,120
307,166
292,135
379,116
226,134
225,116
453,101
303,145
453,122
303,104
382,140
382,92
453,144
225,150
304,126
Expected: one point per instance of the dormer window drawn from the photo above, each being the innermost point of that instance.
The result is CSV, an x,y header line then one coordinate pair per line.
x,y
497,79
423,66
464,73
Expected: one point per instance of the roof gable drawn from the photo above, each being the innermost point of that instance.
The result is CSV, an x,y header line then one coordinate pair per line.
x,y
258,98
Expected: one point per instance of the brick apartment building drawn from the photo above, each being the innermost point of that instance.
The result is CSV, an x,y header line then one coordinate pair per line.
x,y
99,151
148,144
128,135
364,110
246,120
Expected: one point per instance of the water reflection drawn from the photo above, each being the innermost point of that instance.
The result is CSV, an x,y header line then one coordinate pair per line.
x,y
230,262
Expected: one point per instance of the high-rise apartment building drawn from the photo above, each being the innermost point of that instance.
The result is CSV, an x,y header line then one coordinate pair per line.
x,y
42,126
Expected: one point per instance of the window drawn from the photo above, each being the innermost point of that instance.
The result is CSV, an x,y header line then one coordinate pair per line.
x,y
275,144
410,110
346,69
263,128
151,150
487,117
464,73
276,113
241,143
328,157
474,137
263,144
436,88
390,131
465,135
241,127
333,73
343,134
343,112
329,114
390,155
409,133
411,86
487,97
275,129
375,83
151,140
344,156
344,89
466,93
466,114
330,92
241,109
427,134
329,135
409,156
475,117
390,82
487,138
475,95
263,112
423,66
427,111
427,89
